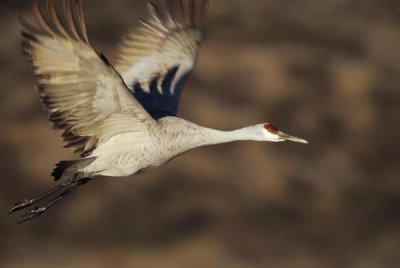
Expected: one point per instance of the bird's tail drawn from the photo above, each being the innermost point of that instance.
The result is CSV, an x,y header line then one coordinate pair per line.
x,y
69,169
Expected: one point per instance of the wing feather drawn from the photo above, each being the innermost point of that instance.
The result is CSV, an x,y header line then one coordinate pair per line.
x,y
85,97
159,44
56,18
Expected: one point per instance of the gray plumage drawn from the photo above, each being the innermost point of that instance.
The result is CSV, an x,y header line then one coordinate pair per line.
x,y
121,120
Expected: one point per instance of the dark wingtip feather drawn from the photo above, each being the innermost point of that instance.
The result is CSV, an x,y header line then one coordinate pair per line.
x,y
104,59
70,169
60,169
29,36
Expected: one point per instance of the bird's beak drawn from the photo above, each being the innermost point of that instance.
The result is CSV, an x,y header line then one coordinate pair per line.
x,y
287,137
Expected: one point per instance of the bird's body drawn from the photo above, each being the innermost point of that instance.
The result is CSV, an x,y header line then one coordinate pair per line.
x,y
135,152
123,119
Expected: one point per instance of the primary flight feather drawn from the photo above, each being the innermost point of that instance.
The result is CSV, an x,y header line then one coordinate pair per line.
x,y
121,119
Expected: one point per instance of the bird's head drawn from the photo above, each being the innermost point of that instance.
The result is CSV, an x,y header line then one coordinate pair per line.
x,y
271,133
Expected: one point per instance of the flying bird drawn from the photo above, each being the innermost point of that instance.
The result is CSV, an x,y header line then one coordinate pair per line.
x,y
122,118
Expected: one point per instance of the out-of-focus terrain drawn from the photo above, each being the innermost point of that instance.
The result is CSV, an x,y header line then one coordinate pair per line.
x,y
328,71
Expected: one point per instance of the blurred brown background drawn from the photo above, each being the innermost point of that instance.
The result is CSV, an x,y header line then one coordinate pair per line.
x,y
325,70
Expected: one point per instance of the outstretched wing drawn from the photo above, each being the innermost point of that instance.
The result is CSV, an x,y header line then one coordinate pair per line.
x,y
156,58
84,95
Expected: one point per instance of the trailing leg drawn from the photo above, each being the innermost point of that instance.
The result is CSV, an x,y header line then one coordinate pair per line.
x,y
29,202
63,190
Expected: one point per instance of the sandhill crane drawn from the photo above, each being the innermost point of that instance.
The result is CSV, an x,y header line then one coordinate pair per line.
x,y
123,119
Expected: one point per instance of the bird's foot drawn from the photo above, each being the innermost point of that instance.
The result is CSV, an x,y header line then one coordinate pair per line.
x,y
21,205
31,214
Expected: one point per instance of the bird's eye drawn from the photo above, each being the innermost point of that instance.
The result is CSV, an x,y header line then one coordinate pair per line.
x,y
271,128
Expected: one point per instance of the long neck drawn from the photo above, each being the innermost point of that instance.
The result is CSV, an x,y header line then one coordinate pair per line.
x,y
212,136
180,135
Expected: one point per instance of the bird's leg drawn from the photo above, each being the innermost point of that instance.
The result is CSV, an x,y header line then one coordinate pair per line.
x,y
36,212
29,202
70,186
